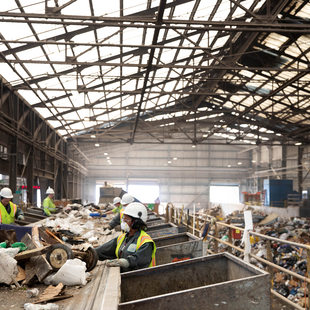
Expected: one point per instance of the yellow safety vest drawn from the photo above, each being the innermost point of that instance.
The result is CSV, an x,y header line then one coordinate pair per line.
x,y
121,214
117,209
5,217
143,238
48,206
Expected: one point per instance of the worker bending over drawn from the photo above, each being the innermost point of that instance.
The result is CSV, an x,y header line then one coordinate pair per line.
x,y
134,248
126,200
8,210
117,206
48,202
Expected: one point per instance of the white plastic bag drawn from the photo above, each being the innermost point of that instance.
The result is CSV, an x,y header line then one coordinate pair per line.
x,y
29,306
49,279
73,272
10,251
8,268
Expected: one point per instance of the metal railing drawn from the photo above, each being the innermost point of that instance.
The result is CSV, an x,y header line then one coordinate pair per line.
x,y
193,223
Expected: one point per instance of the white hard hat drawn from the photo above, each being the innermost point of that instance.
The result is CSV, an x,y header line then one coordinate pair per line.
x,y
137,210
50,191
116,200
6,193
126,199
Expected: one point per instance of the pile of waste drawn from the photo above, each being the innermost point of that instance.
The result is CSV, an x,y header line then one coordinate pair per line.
x,y
288,256
58,252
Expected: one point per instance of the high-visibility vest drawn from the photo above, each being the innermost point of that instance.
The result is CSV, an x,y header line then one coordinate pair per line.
x,y
143,238
117,209
121,214
49,205
5,217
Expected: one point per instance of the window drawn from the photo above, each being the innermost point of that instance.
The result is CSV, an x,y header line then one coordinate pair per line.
x,y
3,152
145,192
224,194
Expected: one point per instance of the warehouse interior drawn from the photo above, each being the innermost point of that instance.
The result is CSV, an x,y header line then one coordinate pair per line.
x,y
164,99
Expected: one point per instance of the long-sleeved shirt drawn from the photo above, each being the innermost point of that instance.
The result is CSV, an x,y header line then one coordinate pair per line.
x,y
48,206
137,259
116,220
117,209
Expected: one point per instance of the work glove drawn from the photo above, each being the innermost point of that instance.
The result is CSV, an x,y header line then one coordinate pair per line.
x,y
122,262
21,217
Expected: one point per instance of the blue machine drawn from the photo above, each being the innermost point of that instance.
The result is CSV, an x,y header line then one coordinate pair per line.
x,y
276,192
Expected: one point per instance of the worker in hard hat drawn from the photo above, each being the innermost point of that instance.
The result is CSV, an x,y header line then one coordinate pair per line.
x,y
48,202
126,200
117,206
134,248
8,210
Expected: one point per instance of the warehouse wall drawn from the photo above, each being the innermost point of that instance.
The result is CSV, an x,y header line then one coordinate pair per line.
x,y
183,181
282,162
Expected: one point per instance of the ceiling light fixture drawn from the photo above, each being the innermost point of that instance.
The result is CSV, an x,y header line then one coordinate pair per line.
x,y
93,136
97,144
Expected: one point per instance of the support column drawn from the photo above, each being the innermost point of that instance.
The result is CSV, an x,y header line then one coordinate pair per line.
x,y
65,181
283,162
55,172
260,180
29,175
13,163
300,154
58,179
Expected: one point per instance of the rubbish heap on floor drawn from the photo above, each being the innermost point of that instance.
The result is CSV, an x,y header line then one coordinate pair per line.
x,y
59,250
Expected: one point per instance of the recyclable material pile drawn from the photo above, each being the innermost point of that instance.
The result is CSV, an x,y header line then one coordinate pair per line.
x,y
284,255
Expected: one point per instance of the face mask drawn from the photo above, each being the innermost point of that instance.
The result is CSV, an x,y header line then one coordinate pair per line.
x,y
125,227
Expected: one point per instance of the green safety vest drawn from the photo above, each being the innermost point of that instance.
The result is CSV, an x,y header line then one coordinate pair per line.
x,y
49,205
117,209
5,217
143,238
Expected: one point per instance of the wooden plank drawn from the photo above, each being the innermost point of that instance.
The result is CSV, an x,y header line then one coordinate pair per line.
x,y
50,293
21,274
54,236
30,272
41,266
31,253
47,238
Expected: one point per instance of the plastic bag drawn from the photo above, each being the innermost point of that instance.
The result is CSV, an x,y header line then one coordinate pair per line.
x,y
32,293
22,246
73,272
9,251
29,306
8,268
3,244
